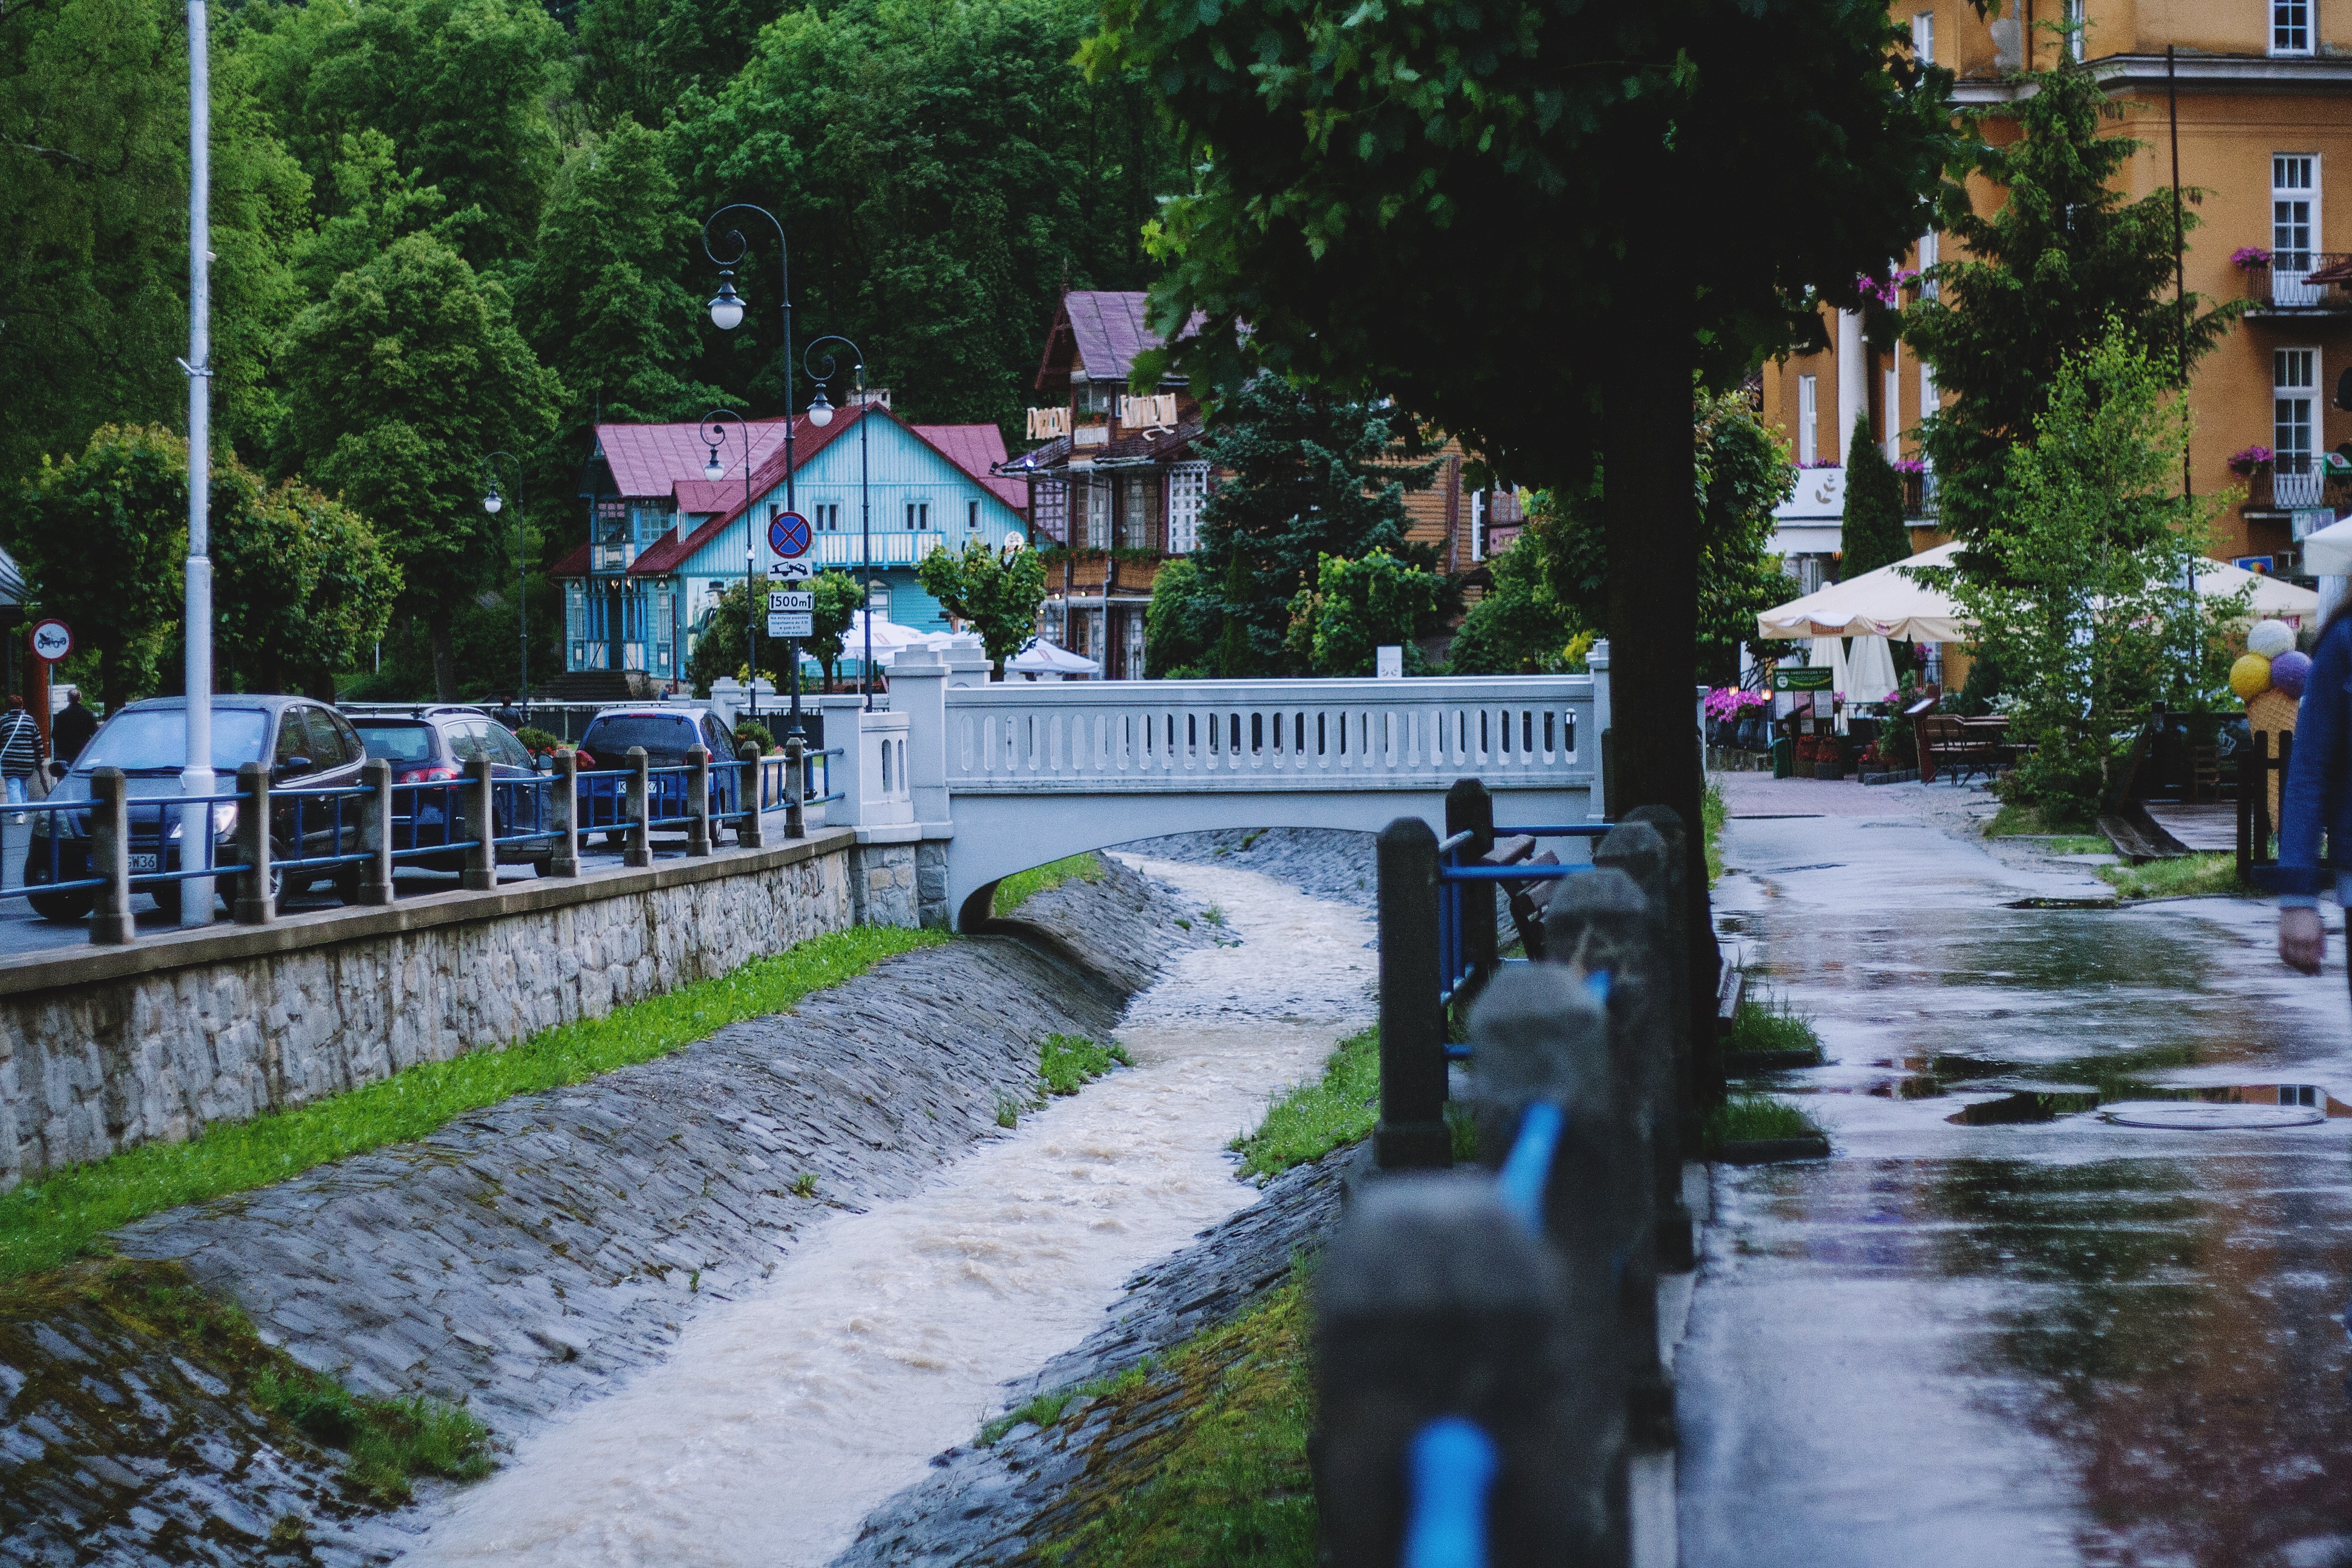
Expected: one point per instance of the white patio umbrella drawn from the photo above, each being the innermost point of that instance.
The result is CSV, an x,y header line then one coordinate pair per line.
x,y
1050,659
889,638
1828,653
1870,671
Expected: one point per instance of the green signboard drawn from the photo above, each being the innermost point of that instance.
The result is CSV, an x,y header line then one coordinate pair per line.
x,y
1801,678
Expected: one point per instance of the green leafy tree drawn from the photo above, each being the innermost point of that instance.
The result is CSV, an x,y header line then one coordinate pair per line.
x,y
375,203
1872,533
1518,627
1181,624
400,380
2040,278
638,57
303,586
959,172
718,643
838,600
602,302
103,538
1355,608
995,594
1740,473
1307,475
2083,603
93,204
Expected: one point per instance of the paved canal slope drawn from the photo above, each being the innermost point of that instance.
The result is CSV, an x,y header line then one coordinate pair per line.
x,y
2020,1342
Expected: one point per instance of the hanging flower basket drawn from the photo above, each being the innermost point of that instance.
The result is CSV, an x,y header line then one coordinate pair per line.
x,y
2247,258
2248,462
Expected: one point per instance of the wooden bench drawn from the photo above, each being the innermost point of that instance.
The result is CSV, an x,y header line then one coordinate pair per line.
x,y
1527,913
1964,745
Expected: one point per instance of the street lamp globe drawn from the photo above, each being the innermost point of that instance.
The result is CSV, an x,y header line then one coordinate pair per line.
x,y
726,306
493,501
820,412
714,471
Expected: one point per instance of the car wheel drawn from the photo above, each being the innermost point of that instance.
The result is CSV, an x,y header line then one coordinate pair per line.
x,y
347,884
167,899
61,906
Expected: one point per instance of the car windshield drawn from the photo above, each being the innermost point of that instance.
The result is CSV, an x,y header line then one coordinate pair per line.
x,y
148,739
397,742
611,737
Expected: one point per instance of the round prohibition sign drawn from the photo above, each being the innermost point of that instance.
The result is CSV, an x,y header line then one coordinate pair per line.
x,y
788,534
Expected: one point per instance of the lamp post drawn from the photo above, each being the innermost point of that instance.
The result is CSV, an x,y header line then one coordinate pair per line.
x,y
196,777
491,502
714,436
727,311
820,416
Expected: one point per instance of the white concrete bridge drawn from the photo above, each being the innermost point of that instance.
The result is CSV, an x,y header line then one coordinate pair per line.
x,y
994,779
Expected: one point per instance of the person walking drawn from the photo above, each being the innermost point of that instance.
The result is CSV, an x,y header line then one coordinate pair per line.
x,y
20,753
70,731
2318,798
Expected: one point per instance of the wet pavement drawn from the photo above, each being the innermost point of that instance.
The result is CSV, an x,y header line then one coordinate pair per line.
x,y
2072,1288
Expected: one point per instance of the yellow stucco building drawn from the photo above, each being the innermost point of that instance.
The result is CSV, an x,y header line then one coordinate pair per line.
x,y
2263,94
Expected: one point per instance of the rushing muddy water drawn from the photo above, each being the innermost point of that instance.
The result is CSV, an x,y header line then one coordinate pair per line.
x,y
882,1337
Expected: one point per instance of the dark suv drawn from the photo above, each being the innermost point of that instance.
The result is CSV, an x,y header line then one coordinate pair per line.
x,y
666,734
307,743
432,744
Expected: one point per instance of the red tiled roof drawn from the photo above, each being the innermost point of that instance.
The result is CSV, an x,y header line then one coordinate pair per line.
x,y
663,555
973,448
573,564
669,554
650,461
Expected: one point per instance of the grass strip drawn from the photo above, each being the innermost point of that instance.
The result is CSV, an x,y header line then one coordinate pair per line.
x,y
1225,1485
1022,886
1309,1120
1070,1062
62,1217
1047,1408
2181,877
385,1443
1714,811
1770,1023
1749,1118
2015,821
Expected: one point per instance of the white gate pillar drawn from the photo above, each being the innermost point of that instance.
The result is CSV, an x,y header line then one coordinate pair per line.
x,y
919,679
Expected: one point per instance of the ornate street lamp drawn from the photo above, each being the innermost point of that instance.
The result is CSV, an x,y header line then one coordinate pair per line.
x,y
821,414
714,436
492,502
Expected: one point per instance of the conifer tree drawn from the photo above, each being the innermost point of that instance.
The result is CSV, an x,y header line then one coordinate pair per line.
x,y
1872,533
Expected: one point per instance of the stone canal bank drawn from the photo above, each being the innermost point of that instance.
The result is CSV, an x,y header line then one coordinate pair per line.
x,y
529,1254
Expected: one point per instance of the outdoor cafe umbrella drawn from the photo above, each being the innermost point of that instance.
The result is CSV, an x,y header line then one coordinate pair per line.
x,y
1045,659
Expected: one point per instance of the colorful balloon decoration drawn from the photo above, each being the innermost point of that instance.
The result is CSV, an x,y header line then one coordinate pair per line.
x,y
2289,671
2251,675
2270,639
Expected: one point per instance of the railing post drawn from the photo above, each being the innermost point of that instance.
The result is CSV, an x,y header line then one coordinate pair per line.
x,y
1638,850
481,873
1602,923
796,788
639,810
1434,1303
111,924
1470,808
375,831
563,805
1411,1131
698,804
256,903
1692,950
749,834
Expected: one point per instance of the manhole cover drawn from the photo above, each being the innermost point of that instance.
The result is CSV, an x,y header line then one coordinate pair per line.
x,y
2195,1116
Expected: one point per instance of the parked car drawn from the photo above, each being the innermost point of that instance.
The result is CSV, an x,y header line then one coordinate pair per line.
x,y
307,743
434,744
668,734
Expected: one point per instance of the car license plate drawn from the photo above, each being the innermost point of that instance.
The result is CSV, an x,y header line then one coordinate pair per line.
x,y
145,865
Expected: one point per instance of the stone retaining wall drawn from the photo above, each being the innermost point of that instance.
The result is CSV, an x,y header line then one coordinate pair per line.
x,y
102,1049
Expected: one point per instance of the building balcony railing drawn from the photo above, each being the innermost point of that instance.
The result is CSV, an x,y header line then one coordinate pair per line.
x,y
2304,281
897,548
1919,496
2304,484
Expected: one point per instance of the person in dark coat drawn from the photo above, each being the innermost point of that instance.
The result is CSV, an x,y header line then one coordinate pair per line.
x,y
70,731
2317,799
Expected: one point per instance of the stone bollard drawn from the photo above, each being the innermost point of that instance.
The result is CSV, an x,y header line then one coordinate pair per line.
x,y
1602,923
698,801
564,812
1641,853
111,924
638,810
1433,1302
256,903
1411,1131
375,831
1470,808
795,787
481,873
748,833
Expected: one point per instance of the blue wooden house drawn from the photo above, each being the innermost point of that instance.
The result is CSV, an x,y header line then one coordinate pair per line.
x,y
664,539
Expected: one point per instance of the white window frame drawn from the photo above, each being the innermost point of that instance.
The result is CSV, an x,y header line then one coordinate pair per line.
x,y
971,517
1098,506
2291,27
1894,394
2295,472
1930,252
1923,37
2286,168
919,517
1188,492
1808,420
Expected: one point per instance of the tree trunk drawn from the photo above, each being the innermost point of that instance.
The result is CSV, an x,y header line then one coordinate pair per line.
x,y
1650,518
440,633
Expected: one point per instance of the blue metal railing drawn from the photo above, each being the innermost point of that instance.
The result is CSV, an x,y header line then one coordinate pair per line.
x,y
1457,867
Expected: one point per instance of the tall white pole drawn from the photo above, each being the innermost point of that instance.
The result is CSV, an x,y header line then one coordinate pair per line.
x,y
196,777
